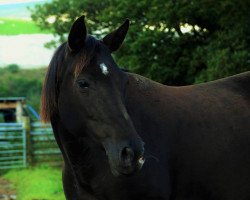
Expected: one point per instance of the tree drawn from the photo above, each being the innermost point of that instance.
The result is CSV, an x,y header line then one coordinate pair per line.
x,y
174,42
22,83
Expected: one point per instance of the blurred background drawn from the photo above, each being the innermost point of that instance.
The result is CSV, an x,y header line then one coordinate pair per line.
x,y
170,41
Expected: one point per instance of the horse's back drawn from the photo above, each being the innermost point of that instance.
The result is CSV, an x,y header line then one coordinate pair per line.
x,y
242,80
214,141
238,84
228,96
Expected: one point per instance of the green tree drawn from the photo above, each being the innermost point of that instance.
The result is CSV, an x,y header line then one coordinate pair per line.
x,y
22,83
174,42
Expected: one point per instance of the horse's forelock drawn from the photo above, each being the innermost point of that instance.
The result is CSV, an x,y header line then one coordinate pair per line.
x,y
53,77
86,55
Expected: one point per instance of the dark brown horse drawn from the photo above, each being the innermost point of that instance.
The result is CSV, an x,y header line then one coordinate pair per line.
x,y
197,138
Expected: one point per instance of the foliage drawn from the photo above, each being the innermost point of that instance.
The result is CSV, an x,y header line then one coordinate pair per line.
x,y
13,68
18,26
159,44
22,83
37,183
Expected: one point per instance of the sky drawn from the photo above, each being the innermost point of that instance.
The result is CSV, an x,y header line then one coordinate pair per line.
x,y
8,2
17,8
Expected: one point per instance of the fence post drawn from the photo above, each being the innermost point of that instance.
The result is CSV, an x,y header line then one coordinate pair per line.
x,y
28,140
19,112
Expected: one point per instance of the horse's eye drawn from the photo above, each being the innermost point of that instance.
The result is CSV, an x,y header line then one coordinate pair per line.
x,y
83,84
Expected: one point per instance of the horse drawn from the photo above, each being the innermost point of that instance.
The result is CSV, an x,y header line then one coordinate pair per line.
x,y
126,137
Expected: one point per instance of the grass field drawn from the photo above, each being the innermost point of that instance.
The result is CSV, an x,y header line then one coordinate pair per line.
x,y
18,26
37,183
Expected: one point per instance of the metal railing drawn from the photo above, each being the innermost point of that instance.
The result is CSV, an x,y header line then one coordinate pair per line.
x,y
12,146
23,144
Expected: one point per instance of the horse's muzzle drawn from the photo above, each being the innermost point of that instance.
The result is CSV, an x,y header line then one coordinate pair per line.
x,y
130,161
125,158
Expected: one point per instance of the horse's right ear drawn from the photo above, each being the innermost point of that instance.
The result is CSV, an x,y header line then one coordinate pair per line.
x,y
77,35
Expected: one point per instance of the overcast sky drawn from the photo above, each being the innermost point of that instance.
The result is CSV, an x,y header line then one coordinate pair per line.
x,y
7,2
17,8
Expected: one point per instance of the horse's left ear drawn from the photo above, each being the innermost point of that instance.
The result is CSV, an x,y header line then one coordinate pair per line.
x,y
114,39
77,34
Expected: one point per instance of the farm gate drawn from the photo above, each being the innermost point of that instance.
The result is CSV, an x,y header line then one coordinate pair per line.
x,y
25,144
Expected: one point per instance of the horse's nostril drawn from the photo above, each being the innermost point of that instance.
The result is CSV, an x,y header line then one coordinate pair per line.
x,y
127,156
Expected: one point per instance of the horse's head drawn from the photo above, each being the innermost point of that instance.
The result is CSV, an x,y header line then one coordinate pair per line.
x,y
89,96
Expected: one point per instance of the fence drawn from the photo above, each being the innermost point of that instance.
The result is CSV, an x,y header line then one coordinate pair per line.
x,y
23,144
12,145
43,148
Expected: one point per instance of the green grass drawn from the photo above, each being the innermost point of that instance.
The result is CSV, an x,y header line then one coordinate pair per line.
x,y
18,26
37,183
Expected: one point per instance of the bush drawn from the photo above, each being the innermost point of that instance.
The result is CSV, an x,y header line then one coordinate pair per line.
x,y
13,68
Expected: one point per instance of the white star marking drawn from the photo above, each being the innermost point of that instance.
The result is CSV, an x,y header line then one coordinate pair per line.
x,y
104,69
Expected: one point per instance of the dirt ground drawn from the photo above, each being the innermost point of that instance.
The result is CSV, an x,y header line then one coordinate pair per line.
x,y
7,191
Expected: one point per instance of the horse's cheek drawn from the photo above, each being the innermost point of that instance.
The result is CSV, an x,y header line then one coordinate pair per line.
x,y
69,113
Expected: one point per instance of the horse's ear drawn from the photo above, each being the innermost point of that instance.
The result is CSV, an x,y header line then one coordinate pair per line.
x,y
114,39
77,34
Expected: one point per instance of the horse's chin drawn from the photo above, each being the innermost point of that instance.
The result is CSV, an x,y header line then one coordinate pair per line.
x,y
121,173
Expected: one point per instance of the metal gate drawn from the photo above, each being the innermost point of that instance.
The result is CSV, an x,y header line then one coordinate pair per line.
x,y
27,144
12,145
42,147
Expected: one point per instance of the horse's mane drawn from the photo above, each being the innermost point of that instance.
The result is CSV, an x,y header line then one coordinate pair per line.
x,y
53,78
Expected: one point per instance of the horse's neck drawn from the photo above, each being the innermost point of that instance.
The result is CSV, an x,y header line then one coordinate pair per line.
x,y
142,86
144,93
151,108
146,99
